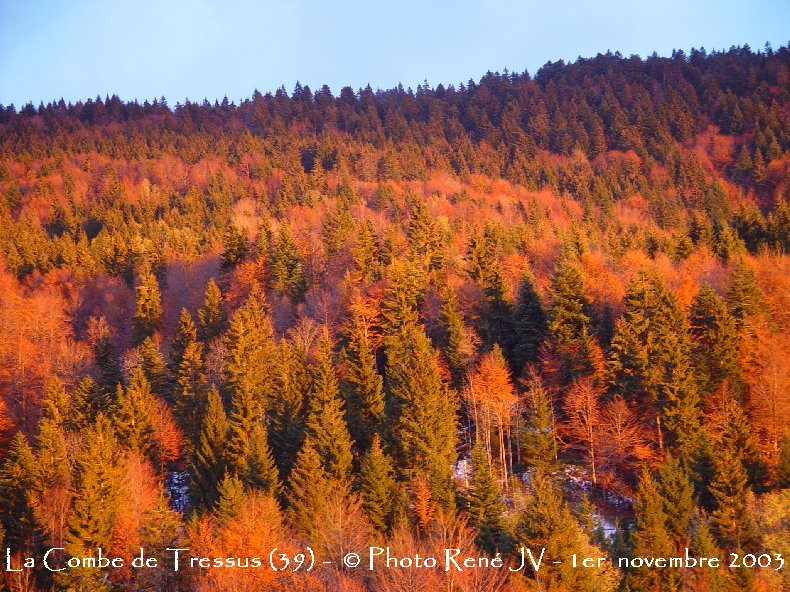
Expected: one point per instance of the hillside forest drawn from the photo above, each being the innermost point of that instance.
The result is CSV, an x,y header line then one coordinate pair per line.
x,y
543,310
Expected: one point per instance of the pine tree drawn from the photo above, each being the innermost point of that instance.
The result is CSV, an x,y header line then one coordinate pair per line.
x,y
326,423
484,502
148,308
423,412
209,463
651,539
378,487
363,386
308,489
211,316
529,325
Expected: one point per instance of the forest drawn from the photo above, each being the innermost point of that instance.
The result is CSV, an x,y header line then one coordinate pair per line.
x,y
545,310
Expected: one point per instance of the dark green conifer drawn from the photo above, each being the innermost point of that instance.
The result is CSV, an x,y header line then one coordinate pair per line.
x,y
148,307
211,316
379,490
484,502
209,463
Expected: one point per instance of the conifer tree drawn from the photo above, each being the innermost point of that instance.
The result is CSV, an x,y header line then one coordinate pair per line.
x,y
17,480
134,413
209,463
363,386
702,544
651,539
326,423
677,494
378,487
249,377
570,323
189,399
56,406
529,325
261,471
308,490
211,316
287,274
87,402
367,252
423,412
425,240
148,307
153,365
234,246
744,296
287,410
109,367
715,343
186,334
455,342
93,514
484,502
231,499
539,440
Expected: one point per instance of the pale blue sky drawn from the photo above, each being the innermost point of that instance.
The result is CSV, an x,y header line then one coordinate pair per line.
x,y
198,49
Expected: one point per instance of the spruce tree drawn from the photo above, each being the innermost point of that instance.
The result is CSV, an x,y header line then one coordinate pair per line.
x,y
230,502
186,334
211,316
677,494
529,325
651,539
261,471
539,440
95,506
189,399
309,488
133,415
209,463
287,274
153,366
287,410
326,423
744,296
367,252
454,342
378,487
17,480
148,307
108,366
484,502
363,386
715,343
422,413
87,402
234,246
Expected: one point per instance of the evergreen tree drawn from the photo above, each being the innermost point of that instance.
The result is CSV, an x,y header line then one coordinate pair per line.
x,y
186,334
153,365
703,544
484,502
261,470
133,415
677,494
93,515
209,463
234,246
744,296
651,539
422,413
714,343
231,499
287,274
213,320
363,386
309,488
87,402
529,325
17,480
367,252
108,366
287,410
539,440
378,487
455,339
189,399
570,323
249,377
326,424
424,236
148,307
